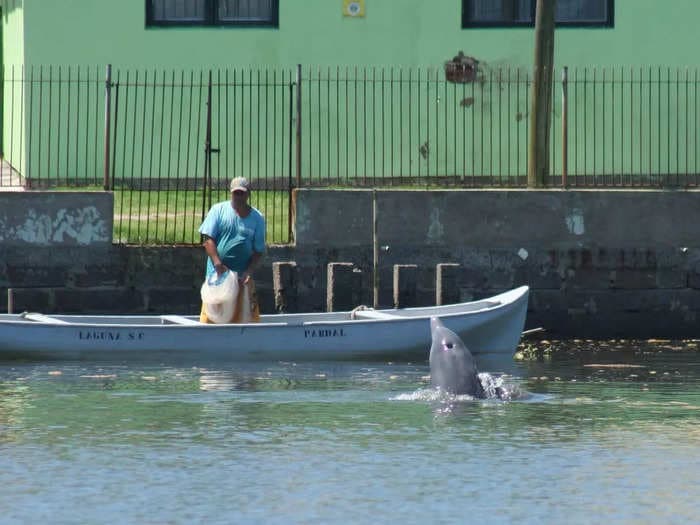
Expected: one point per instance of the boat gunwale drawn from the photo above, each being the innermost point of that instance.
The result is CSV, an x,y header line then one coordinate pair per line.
x,y
514,295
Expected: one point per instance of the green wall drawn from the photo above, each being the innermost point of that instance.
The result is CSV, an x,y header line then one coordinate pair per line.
x,y
633,126
313,32
13,58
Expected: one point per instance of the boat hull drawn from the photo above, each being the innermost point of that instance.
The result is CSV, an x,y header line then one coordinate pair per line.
x,y
490,326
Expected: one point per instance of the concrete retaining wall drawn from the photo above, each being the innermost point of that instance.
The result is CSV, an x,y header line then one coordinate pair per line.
x,y
600,264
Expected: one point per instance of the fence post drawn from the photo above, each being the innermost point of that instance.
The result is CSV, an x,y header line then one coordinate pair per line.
x,y
207,183
108,118
564,126
298,144
290,185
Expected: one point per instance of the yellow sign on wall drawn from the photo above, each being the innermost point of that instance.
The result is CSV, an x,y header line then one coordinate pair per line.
x,y
354,8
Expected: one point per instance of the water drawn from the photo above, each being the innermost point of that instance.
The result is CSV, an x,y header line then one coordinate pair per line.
x,y
350,443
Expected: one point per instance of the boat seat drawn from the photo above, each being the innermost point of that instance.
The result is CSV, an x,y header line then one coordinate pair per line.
x,y
41,318
374,314
178,319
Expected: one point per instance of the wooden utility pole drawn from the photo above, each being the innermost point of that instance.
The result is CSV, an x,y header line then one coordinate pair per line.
x,y
541,95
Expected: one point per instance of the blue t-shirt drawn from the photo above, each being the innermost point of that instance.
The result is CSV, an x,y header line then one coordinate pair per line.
x,y
236,237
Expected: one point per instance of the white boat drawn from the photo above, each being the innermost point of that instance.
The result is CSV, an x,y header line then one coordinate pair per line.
x,y
487,326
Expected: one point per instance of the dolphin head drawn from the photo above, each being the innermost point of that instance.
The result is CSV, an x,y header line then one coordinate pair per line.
x,y
452,366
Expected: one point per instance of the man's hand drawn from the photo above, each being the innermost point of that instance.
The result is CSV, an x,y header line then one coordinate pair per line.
x,y
244,278
220,268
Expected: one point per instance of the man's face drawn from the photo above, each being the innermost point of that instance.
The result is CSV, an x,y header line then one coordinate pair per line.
x,y
239,198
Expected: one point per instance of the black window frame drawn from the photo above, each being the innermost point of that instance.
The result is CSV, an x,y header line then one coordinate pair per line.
x,y
212,19
468,24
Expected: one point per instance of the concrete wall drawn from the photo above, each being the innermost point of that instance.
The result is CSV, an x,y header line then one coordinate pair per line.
x,y
604,264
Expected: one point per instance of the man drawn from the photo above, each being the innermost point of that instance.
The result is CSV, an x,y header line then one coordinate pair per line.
x,y
234,239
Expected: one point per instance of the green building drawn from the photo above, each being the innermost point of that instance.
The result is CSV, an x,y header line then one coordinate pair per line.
x,y
376,101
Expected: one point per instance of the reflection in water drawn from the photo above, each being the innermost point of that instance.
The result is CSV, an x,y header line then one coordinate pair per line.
x,y
366,442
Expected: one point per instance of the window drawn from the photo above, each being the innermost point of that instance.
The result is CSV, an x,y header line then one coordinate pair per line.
x,y
510,13
212,12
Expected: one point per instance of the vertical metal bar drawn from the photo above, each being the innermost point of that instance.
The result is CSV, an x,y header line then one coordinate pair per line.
x,y
659,124
410,121
632,175
364,123
31,118
272,193
77,125
228,164
454,107
206,182
622,128
401,124
250,122
603,82
391,122
219,134
687,113
678,125
124,149
298,134
427,119
355,121
383,131
651,85
12,115
21,118
374,125
508,124
474,138
49,122
309,168
491,127
40,117
595,122
500,128
114,133
96,128
58,128
161,137
481,136
463,178
337,122
320,128
418,105
437,125
258,139
328,125
197,140
564,126
68,115
668,124
290,183
518,118
585,127
577,131
108,110
151,155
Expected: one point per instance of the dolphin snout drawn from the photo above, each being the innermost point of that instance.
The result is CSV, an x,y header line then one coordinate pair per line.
x,y
435,323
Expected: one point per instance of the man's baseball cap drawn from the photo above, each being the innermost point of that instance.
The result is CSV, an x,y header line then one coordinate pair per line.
x,y
240,184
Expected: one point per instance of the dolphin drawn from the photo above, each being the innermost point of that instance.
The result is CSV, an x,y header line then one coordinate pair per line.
x,y
452,366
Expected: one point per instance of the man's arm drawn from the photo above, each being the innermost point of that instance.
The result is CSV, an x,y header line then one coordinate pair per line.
x,y
213,253
252,266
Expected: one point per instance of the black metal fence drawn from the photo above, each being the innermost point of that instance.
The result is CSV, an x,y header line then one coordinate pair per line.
x,y
168,142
